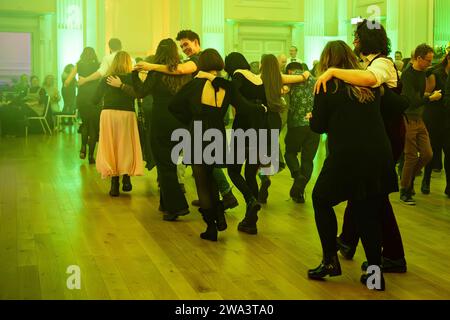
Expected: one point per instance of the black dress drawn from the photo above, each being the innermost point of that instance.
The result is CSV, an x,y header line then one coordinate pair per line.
x,y
162,124
360,162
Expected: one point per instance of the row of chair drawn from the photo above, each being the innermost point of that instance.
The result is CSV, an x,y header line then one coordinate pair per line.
x,y
44,123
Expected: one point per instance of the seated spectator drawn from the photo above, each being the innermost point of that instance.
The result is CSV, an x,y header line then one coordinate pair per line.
x,y
52,91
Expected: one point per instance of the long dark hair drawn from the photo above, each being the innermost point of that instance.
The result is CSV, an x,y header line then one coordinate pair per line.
x,y
273,83
88,56
167,54
337,54
235,61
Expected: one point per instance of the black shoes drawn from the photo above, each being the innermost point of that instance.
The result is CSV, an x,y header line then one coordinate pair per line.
x,y
264,190
174,216
229,200
297,192
347,251
425,187
389,266
248,225
126,183
114,192
372,283
329,267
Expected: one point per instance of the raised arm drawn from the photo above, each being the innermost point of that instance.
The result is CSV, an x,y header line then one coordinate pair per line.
x,y
71,76
362,78
182,69
291,79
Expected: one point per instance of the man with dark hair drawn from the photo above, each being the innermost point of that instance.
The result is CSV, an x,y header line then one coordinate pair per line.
x,y
115,45
373,46
299,137
190,44
417,138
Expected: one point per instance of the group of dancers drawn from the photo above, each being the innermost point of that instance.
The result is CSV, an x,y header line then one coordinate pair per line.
x,y
356,101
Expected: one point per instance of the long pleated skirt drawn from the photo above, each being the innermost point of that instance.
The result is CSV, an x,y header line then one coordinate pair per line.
x,y
119,148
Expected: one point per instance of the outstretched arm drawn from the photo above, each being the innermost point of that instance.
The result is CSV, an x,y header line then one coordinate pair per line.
x,y
291,79
182,69
362,78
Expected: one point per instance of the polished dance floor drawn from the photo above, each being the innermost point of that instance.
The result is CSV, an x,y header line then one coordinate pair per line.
x,y
55,212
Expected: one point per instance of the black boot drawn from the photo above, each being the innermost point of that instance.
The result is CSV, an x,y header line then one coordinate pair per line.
x,y
114,192
209,216
329,267
248,225
298,189
425,186
229,200
378,285
221,221
126,183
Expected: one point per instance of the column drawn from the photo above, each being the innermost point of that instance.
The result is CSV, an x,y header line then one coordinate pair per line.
x,y
213,25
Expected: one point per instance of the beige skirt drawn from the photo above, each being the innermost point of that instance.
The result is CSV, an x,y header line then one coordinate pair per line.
x,y
119,148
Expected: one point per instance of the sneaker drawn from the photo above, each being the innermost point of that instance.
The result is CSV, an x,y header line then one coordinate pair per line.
x,y
407,199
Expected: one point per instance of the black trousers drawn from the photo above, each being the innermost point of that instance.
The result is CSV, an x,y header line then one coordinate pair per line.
x,y
172,198
366,220
301,140
440,141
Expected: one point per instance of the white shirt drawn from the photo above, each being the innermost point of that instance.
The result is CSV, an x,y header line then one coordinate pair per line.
x,y
107,62
383,69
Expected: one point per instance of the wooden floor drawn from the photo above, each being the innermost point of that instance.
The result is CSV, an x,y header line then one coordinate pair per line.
x,y
55,212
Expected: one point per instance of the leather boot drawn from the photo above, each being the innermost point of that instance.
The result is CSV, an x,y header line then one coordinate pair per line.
x,y
114,192
425,186
126,183
209,216
248,225
298,189
329,267
229,200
